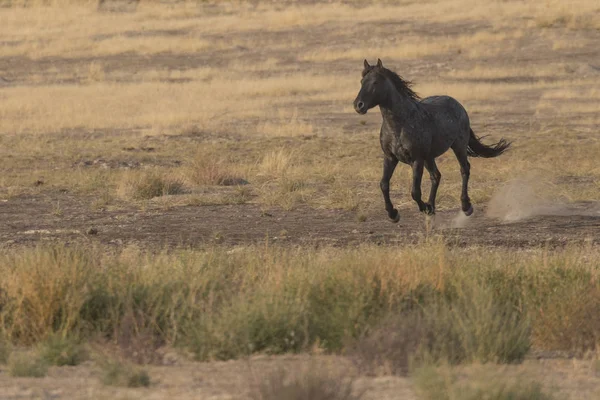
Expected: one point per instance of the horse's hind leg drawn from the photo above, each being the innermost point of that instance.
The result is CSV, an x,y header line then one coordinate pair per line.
x,y
417,168
465,172
389,165
436,177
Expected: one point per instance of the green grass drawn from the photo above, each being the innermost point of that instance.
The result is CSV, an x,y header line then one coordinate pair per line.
x,y
60,351
476,304
471,326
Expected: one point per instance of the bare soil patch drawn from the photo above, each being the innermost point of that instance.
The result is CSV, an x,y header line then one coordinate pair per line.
x,y
32,219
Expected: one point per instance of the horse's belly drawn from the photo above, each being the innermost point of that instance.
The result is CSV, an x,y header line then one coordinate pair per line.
x,y
403,155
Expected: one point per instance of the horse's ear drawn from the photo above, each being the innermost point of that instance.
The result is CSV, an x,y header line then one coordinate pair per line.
x,y
379,63
367,64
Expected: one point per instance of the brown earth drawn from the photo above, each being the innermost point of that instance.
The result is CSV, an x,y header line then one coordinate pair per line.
x,y
59,217
229,380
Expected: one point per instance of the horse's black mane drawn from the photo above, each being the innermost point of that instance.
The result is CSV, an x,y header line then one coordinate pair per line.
x,y
401,85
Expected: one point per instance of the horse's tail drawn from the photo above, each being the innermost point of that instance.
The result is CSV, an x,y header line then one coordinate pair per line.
x,y
478,149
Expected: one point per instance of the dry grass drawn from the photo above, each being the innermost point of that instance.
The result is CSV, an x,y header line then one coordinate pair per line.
x,y
208,168
146,185
289,299
443,384
288,125
119,373
204,68
312,380
475,327
476,304
479,44
27,364
59,350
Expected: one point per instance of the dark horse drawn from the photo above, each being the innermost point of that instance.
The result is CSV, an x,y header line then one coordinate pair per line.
x,y
416,131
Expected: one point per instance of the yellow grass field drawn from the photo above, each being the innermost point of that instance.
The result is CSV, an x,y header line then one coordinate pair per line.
x,y
187,192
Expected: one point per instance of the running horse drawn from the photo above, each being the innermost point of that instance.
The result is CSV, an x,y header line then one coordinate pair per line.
x,y
416,131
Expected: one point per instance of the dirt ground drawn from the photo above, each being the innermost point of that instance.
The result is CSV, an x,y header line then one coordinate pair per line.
x,y
236,379
51,213
33,219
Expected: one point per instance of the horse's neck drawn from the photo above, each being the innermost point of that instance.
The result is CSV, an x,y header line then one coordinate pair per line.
x,y
399,110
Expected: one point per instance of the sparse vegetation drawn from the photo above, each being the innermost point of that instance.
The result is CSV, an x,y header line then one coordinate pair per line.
x,y
443,384
29,365
468,324
477,306
311,381
5,349
208,169
118,373
148,185
60,351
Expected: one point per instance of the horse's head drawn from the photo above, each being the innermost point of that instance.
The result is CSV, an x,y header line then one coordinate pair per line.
x,y
373,88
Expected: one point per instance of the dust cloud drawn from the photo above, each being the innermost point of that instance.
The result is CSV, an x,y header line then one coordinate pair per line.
x,y
532,196
517,200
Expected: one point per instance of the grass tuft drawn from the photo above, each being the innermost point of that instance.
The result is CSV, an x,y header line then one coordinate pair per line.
x,y
60,351
29,365
211,169
315,382
5,350
148,185
471,326
443,384
117,373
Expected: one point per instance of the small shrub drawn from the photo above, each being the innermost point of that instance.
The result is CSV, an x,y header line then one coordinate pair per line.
x,y
390,347
136,340
58,350
472,325
27,365
148,185
569,319
5,350
210,169
476,326
442,384
241,195
116,373
277,164
45,290
139,378
310,382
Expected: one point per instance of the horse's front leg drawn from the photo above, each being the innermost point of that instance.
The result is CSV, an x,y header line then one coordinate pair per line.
x,y
417,168
389,165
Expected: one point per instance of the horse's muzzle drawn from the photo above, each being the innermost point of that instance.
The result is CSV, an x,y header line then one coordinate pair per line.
x,y
360,107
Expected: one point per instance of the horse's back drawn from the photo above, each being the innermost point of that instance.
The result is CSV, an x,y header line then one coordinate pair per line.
x,y
451,123
447,109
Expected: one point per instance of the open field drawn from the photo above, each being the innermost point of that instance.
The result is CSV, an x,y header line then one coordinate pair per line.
x,y
101,118
187,182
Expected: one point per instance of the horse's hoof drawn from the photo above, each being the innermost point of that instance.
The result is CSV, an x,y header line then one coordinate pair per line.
x,y
394,216
429,210
469,211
